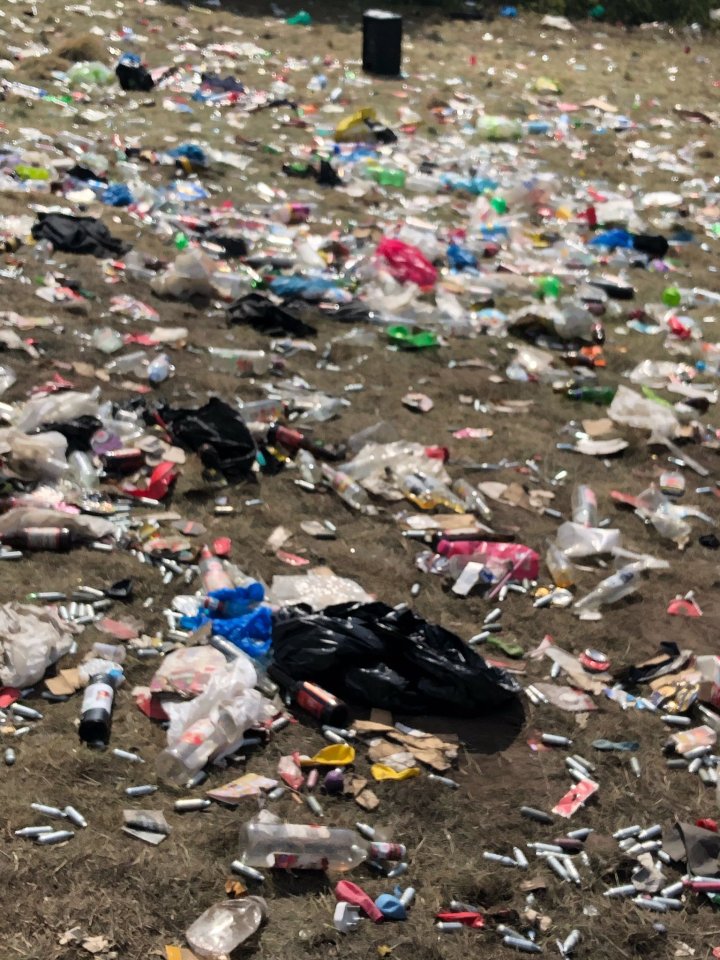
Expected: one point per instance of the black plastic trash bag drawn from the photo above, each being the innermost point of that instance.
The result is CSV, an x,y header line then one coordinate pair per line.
x,y
77,432
133,76
653,246
267,317
374,655
78,235
216,432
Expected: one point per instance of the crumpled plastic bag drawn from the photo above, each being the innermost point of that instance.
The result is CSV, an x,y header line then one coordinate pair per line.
x,y
56,408
190,275
576,540
83,525
216,432
514,560
315,590
632,410
37,457
229,700
31,639
406,263
374,655
668,518
238,617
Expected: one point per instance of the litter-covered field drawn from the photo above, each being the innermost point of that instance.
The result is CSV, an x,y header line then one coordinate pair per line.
x,y
280,332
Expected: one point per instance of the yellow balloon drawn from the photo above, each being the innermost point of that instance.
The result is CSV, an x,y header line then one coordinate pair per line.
x,y
381,771
336,755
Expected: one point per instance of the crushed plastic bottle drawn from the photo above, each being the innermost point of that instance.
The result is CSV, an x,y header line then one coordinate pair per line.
x,y
224,926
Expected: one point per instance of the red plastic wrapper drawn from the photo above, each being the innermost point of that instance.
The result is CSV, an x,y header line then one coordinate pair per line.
x,y
161,479
467,917
406,263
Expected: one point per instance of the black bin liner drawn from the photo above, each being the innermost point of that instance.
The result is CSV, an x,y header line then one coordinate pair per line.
x,y
377,656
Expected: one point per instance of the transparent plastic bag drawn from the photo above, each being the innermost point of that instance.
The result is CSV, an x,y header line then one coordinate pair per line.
x,y
31,639
576,540
57,408
316,590
38,457
632,410
213,724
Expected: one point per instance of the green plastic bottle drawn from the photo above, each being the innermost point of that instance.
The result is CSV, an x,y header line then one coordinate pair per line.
x,y
499,205
181,241
591,394
671,297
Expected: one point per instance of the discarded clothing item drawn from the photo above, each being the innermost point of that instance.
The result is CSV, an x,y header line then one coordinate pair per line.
x,y
78,235
216,432
214,81
374,655
267,317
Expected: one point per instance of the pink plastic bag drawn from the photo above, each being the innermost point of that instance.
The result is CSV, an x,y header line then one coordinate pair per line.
x,y
521,560
406,263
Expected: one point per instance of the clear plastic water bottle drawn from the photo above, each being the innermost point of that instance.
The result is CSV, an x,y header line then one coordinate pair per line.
x,y
309,467
346,488
584,506
298,846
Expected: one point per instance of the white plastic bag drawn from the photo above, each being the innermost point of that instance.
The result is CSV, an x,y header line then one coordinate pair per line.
x,y
632,410
576,540
231,689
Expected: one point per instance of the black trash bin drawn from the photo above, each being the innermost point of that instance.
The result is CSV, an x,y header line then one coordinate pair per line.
x,y
382,42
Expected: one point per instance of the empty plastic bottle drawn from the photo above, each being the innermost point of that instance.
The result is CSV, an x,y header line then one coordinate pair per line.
x,y
584,506
244,363
309,468
472,498
428,493
218,931
610,590
83,471
213,573
216,734
560,568
298,846
346,488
